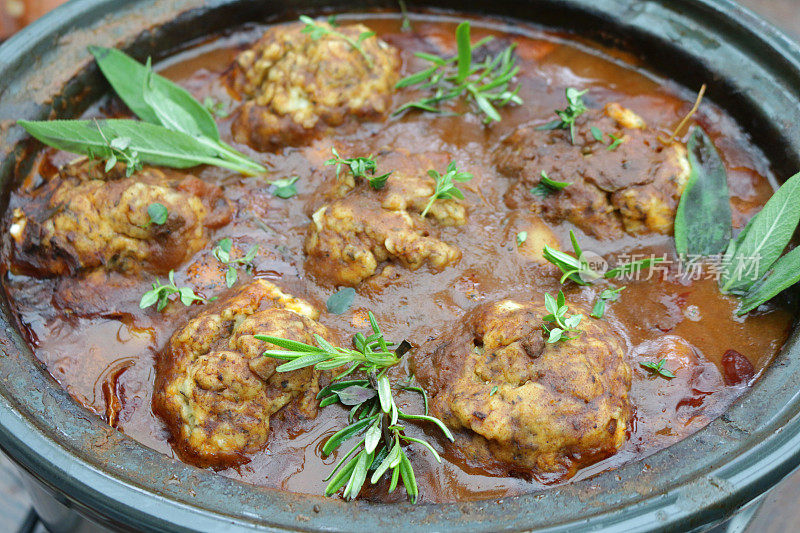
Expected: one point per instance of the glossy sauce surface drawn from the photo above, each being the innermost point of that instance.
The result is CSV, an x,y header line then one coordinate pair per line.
x,y
103,350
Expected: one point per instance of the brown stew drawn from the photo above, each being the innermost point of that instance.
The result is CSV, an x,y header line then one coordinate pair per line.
x,y
86,325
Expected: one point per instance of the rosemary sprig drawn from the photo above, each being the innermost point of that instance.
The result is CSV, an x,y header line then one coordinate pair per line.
x,y
548,186
374,414
567,116
360,167
558,315
317,31
579,271
222,251
483,83
161,292
445,188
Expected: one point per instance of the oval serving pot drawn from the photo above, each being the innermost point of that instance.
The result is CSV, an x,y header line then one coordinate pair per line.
x,y
752,70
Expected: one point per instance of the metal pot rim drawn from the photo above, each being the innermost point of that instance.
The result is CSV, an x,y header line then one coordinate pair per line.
x,y
696,481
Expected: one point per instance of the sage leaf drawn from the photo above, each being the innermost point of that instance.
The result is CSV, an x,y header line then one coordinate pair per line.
x,y
127,77
153,144
703,218
763,239
785,273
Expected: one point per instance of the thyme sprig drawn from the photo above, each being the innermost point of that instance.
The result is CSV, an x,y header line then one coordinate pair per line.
x,y
482,83
374,415
360,167
445,188
558,315
222,251
657,369
161,292
317,31
567,116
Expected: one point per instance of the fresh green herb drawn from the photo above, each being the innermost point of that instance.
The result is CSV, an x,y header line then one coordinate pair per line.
x,y
445,188
703,218
558,315
762,241
784,273
406,24
657,369
616,142
596,133
120,148
317,31
632,267
222,251
360,167
215,107
159,101
284,188
149,143
158,214
160,294
484,84
566,117
547,186
522,236
608,295
177,130
579,270
494,390
341,300
373,410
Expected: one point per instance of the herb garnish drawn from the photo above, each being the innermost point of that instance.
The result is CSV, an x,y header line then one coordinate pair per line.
x,y
373,410
158,214
120,147
522,236
494,390
222,251
752,265
341,300
567,116
285,187
657,369
596,133
548,186
558,315
616,142
360,167
445,188
215,107
608,295
703,218
160,294
580,272
484,83
317,31
176,130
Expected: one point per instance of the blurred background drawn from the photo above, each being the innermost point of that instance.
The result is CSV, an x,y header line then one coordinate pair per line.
x,y
775,512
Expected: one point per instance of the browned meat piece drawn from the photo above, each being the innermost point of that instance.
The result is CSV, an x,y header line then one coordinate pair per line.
x,y
84,219
351,236
214,388
633,188
294,85
556,407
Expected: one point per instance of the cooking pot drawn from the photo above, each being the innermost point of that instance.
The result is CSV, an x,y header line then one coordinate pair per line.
x,y
752,70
